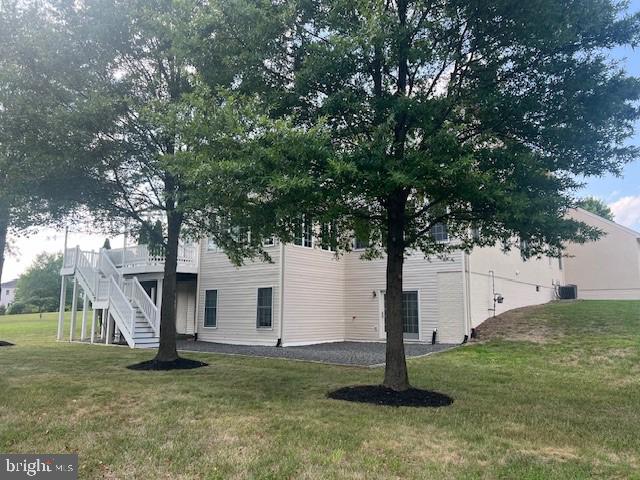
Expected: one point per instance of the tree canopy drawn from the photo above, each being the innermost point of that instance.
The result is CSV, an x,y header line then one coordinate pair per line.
x,y
32,185
38,288
597,206
388,118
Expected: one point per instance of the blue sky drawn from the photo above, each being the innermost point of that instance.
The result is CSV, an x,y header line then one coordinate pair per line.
x,y
623,193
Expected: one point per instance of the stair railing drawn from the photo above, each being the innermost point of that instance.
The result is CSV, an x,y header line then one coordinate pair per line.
x,y
120,305
132,290
140,297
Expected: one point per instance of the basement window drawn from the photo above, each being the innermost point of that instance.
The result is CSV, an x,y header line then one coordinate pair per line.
x,y
265,308
211,309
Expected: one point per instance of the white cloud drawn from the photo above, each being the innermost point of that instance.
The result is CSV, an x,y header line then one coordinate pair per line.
x,y
26,248
627,211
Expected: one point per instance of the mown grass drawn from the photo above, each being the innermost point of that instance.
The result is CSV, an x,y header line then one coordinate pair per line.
x,y
564,407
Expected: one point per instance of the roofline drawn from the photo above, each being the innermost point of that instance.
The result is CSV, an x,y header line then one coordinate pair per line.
x,y
613,224
10,283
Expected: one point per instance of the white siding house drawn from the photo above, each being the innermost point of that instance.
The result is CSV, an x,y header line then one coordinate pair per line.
x,y
330,299
8,293
308,295
608,268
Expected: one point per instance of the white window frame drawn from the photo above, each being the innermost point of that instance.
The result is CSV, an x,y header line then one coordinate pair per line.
x,y
381,314
257,307
204,310
302,234
269,242
435,235
356,248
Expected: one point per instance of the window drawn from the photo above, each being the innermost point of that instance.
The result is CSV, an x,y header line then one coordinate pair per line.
x,y
524,248
268,242
240,234
329,237
439,232
410,314
265,307
211,309
360,244
211,245
304,232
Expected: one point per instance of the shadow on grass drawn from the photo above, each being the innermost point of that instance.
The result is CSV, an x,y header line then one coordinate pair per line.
x,y
179,364
380,395
6,344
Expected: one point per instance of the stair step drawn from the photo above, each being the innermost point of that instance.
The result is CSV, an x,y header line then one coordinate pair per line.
x,y
145,335
143,330
146,341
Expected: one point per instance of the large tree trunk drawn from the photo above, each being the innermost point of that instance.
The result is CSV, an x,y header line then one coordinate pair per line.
x,y
395,374
4,229
167,351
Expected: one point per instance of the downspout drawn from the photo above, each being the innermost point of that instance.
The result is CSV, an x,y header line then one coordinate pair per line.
x,y
281,298
465,297
197,313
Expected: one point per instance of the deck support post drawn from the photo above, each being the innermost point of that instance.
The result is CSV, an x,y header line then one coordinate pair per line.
x,y
74,308
104,315
109,329
159,295
63,298
85,314
93,323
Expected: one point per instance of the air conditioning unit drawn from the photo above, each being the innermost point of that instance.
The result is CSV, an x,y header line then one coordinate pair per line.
x,y
568,292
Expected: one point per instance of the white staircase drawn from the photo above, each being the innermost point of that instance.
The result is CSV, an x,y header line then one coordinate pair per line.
x,y
127,303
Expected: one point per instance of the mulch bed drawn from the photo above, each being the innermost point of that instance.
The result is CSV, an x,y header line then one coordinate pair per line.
x,y
6,344
179,364
380,395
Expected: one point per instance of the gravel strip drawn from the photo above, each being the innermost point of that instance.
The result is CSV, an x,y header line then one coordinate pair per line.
x,y
340,353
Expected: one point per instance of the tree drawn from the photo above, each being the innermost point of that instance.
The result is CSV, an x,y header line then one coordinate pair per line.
x,y
388,118
597,206
107,244
33,192
119,114
153,237
38,288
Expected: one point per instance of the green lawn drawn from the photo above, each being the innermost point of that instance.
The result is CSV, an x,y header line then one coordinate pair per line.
x,y
566,405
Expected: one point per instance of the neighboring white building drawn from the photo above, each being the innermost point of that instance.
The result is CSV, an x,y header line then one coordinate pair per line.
x,y
8,293
608,268
307,295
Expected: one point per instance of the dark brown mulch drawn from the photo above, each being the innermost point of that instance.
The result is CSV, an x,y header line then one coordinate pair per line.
x,y
6,344
179,364
380,395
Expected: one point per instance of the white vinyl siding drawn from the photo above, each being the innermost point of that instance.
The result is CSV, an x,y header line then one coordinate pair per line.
x,y
314,293
608,268
237,295
366,280
520,282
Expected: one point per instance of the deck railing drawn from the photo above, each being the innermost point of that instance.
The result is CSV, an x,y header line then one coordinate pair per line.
x,y
141,256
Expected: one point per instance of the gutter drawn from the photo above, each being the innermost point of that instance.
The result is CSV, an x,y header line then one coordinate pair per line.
x,y
281,297
466,295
